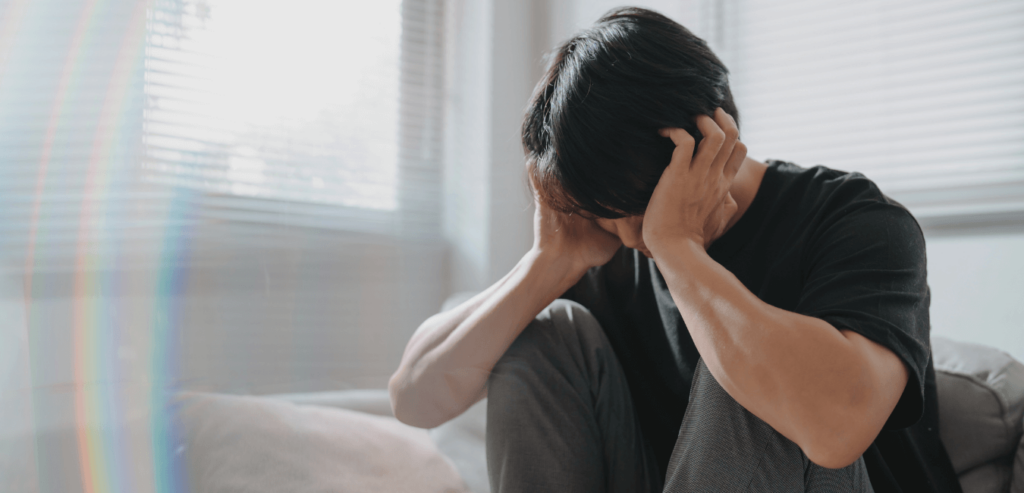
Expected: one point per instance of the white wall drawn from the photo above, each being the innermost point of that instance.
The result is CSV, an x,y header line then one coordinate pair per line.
x,y
467,143
487,207
977,284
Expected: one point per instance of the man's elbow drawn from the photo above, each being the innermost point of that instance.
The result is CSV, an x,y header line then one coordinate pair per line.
x,y
849,423
411,409
839,443
403,403
401,400
834,456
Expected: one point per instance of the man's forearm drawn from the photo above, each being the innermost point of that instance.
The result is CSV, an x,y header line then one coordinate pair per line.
x,y
446,364
825,389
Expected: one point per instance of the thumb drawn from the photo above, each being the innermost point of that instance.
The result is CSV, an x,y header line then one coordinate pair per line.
x,y
729,208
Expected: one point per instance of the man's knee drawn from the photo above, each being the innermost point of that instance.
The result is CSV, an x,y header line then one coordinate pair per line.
x,y
562,329
563,334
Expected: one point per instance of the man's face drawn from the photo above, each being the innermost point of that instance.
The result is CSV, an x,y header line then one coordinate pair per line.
x,y
628,229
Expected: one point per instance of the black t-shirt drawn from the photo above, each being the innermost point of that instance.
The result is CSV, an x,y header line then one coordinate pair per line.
x,y
819,242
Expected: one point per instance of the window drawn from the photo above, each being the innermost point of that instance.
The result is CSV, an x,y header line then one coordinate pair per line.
x,y
125,123
302,112
925,98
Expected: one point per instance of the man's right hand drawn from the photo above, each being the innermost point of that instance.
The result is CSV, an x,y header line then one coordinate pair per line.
x,y
448,360
571,238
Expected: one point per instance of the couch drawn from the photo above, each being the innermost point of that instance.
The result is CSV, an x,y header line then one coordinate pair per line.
x,y
348,440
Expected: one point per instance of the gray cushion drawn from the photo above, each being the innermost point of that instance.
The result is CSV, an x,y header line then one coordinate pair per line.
x,y
981,403
993,477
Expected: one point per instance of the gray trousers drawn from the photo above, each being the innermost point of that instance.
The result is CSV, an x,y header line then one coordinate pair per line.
x,y
560,419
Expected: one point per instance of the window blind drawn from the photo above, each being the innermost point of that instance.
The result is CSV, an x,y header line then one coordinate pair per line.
x,y
125,124
70,121
925,98
323,114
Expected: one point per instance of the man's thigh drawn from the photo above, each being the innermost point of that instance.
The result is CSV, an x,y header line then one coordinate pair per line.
x,y
723,447
559,413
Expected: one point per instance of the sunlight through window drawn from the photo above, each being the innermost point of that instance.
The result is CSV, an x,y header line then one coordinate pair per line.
x,y
294,101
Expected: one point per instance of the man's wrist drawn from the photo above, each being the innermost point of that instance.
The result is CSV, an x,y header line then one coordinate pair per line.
x,y
676,247
560,270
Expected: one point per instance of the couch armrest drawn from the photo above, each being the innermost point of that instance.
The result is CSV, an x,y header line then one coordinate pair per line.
x,y
981,408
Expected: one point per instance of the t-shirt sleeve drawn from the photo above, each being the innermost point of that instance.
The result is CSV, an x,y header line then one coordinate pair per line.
x,y
866,272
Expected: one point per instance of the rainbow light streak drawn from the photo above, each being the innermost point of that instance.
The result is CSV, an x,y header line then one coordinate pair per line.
x,y
106,460
92,474
169,472
94,328
93,461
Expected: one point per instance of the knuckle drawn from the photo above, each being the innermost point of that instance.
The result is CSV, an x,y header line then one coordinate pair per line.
x,y
717,136
740,147
731,132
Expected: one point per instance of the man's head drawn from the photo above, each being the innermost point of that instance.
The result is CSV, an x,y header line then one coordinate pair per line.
x,y
591,131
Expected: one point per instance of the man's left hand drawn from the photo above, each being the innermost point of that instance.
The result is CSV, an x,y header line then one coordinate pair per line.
x,y
692,201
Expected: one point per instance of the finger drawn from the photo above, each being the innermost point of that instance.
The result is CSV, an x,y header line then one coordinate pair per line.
x,y
680,137
710,145
729,207
684,145
739,154
728,126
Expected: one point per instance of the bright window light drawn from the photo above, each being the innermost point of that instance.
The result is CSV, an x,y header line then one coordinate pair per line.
x,y
294,101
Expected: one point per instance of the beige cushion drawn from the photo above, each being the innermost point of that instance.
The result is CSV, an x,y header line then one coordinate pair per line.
x,y
258,444
462,440
981,403
372,401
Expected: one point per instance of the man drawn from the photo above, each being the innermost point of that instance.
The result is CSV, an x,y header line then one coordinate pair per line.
x,y
733,325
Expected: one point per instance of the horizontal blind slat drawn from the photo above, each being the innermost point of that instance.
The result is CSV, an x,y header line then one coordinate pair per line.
x,y
921,96
192,142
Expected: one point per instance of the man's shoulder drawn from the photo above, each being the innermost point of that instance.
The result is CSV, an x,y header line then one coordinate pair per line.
x,y
830,194
820,211
823,181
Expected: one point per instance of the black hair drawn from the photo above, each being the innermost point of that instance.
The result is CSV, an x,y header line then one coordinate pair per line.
x,y
591,129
